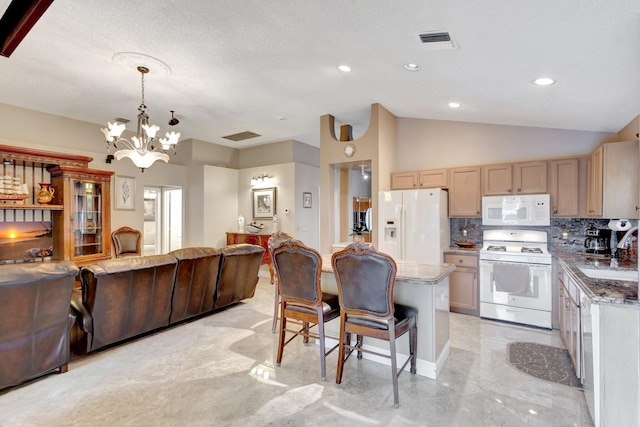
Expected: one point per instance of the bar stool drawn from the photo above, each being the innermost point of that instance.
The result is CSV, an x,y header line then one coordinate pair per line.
x,y
298,269
365,280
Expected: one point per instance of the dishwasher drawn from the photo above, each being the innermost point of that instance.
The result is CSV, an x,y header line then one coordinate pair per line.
x,y
588,376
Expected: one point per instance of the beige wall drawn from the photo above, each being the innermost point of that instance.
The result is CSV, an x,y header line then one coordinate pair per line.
x,y
432,144
213,207
630,131
196,152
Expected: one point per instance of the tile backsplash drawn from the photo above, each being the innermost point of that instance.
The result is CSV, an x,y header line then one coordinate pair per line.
x,y
564,235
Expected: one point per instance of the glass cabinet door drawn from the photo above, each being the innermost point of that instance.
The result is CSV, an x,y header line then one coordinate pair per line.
x,y
87,219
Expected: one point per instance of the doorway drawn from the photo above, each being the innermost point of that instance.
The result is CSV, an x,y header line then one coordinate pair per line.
x,y
352,199
162,220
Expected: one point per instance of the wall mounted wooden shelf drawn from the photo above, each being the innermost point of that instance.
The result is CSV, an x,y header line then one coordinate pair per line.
x,y
31,207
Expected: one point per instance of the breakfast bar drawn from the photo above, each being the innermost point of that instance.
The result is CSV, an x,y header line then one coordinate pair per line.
x,y
425,287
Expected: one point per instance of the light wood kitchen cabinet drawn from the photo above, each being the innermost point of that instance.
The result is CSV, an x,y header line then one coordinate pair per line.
x,y
404,180
594,182
436,178
463,283
83,228
569,318
465,197
517,178
563,187
613,181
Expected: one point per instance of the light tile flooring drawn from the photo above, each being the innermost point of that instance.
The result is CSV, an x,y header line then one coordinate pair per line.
x,y
218,371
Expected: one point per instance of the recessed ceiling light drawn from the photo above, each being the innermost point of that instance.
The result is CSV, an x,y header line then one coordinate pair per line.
x,y
454,105
411,67
345,68
543,81
282,118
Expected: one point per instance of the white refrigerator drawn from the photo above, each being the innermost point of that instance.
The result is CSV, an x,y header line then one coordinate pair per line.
x,y
414,224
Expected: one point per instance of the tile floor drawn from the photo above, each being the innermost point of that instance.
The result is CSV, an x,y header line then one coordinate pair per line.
x,y
218,371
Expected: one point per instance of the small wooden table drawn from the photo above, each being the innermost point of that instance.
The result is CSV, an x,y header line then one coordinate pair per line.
x,y
253,239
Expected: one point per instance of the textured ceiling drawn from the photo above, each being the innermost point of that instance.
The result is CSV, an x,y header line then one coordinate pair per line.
x,y
241,65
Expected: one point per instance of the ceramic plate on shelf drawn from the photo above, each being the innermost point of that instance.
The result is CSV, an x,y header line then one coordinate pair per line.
x,y
465,244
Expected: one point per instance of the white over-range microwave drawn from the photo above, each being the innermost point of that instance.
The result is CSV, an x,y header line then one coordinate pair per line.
x,y
530,210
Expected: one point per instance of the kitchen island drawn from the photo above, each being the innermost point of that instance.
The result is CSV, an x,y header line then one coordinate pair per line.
x,y
425,287
609,328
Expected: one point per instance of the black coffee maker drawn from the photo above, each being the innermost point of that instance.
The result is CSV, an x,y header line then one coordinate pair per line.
x,y
598,241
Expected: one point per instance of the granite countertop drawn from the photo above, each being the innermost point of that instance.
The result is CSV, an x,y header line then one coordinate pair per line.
x,y
601,290
408,272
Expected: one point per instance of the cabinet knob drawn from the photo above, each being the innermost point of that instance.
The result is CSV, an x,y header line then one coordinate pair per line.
x,y
460,261
555,211
509,190
637,209
519,190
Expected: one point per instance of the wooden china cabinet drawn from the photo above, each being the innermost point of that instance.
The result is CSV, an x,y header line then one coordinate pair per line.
x,y
81,206
82,230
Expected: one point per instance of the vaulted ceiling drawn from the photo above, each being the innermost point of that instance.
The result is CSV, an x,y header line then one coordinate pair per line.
x,y
270,67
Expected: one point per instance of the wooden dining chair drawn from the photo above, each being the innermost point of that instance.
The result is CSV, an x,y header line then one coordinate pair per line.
x,y
365,280
127,241
275,240
303,304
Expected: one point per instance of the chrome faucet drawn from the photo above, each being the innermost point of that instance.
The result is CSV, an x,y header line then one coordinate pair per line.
x,y
622,244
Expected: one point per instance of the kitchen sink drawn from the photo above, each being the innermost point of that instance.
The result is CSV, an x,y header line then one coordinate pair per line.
x,y
628,275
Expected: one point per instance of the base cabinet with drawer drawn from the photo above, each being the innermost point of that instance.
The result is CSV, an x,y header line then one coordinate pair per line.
x,y
463,283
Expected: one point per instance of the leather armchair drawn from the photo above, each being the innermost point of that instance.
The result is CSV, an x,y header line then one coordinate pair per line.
x,y
238,273
196,280
126,242
34,319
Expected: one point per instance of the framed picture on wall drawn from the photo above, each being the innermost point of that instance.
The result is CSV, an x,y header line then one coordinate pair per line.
x,y
306,200
124,193
264,202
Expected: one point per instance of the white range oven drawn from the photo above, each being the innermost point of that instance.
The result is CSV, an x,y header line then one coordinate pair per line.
x,y
515,277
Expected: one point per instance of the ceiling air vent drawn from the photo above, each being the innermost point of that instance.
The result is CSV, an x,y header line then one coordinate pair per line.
x,y
437,40
241,136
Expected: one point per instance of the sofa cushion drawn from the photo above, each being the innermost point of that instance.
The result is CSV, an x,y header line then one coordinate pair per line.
x,y
125,297
195,283
238,273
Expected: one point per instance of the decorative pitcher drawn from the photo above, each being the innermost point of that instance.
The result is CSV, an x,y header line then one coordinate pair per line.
x,y
45,194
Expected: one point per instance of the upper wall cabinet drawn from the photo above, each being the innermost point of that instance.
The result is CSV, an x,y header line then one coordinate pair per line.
x,y
518,178
613,181
563,187
436,178
464,192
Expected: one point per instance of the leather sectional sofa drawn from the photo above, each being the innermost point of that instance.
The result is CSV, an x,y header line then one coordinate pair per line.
x,y
34,320
127,297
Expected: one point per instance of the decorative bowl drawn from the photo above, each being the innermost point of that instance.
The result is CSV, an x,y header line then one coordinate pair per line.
x,y
465,244
253,229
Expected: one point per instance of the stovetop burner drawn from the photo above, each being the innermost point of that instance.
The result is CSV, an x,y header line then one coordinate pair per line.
x,y
497,248
531,250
